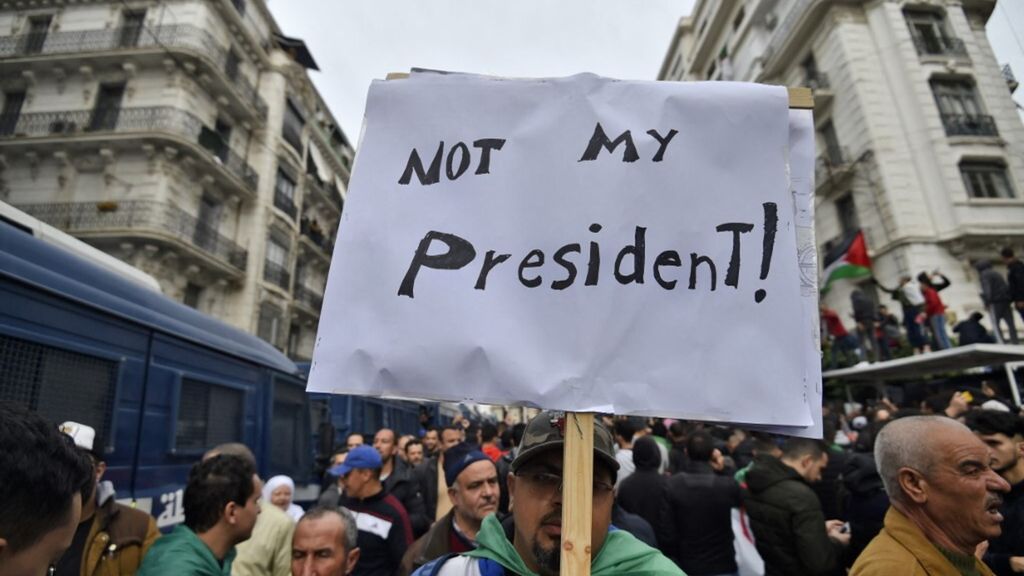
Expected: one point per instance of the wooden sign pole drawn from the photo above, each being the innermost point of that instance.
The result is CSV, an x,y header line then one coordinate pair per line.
x,y
577,493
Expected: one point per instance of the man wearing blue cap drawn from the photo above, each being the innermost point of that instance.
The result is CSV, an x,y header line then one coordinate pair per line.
x,y
472,480
385,532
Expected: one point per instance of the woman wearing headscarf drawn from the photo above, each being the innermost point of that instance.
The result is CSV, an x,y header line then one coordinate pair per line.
x,y
279,491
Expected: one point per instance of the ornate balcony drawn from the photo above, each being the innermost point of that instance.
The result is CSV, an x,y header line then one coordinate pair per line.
x,y
276,274
181,37
309,298
969,125
326,194
141,122
146,218
832,169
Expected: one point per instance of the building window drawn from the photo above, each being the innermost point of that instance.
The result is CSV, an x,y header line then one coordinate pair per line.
x,y
269,327
986,179
739,18
675,67
192,294
291,130
833,151
108,108
846,212
960,109
928,31
131,28
284,194
11,111
275,268
712,70
813,78
38,29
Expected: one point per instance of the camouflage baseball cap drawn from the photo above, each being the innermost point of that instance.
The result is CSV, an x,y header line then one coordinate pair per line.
x,y
547,432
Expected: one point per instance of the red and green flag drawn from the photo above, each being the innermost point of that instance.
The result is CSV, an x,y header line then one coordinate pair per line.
x,y
848,259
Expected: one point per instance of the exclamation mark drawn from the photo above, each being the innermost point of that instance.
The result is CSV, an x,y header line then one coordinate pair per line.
x,y
771,224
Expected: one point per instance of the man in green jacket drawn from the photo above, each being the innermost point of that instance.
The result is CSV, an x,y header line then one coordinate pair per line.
x,y
221,507
534,546
789,527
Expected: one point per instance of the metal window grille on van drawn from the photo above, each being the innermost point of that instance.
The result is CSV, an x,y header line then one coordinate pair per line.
x,y
290,430
58,384
208,415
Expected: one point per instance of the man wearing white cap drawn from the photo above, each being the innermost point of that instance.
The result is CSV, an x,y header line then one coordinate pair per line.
x,y
111,539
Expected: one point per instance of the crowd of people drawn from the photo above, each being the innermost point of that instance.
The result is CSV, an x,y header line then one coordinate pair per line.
x,y
928,489
878,334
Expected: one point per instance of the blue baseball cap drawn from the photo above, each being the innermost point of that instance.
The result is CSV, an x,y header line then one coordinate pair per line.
x,y
359,458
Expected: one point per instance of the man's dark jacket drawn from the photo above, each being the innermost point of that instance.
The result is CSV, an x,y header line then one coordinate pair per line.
x,y
1015,280
406,488
866,501
435,543
788,525
426,476
642,493
1011,541
696,524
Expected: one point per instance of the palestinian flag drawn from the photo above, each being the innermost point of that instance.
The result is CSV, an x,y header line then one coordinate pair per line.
x,y
848,259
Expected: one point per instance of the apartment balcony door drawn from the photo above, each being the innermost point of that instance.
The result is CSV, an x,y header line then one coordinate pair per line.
x,y
38,28
131,28
108,107
206,234
13,101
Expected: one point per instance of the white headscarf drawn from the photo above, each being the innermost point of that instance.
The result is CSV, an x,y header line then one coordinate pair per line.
x,y
294,510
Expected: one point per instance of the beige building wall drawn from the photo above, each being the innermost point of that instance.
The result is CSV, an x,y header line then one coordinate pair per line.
x,y
889,162
156,131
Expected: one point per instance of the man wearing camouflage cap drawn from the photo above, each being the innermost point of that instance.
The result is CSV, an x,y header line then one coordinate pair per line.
x,y
531,544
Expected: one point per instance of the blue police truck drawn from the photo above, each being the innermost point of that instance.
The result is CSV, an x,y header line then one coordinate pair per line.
x,y
88,340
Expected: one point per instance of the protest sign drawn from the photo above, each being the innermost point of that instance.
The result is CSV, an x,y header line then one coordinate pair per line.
x,y
582,244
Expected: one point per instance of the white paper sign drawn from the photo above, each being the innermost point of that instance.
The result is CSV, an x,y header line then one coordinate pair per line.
x,y
581,244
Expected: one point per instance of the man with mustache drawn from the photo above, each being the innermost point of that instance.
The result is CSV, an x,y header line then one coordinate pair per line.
x,y
1002,433
472,481
944,497
530,544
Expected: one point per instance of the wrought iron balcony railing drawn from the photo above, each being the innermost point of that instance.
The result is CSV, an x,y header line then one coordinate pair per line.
x,y
276,274
969,125
285,203
834,161
316,236
128,120
125,216
325,191
309,297
935,46
171,36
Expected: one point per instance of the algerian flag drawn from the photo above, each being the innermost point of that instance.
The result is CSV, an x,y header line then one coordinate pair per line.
x,y
848,259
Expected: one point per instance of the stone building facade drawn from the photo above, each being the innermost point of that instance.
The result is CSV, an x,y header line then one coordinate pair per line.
x,y
919,143
184,137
